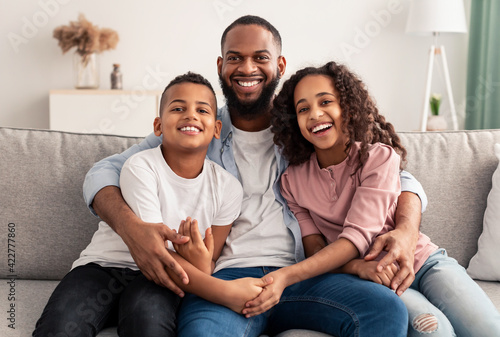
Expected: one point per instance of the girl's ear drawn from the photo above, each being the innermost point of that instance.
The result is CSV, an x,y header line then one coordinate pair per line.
x,y
157,126
217,129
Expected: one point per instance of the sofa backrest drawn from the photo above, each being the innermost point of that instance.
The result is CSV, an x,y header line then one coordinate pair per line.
x,y
41,178
42,172
455,168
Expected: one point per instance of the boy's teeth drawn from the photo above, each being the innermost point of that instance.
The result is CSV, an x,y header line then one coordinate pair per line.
x,y
248,84
321,127
190,128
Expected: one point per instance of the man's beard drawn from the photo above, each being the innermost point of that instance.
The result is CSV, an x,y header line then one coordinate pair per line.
x,y
253,109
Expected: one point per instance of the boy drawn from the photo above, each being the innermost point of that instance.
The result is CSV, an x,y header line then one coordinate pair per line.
x,y
166,184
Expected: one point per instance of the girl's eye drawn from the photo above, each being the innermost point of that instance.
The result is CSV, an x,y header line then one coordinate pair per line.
x,y
302,110
326,101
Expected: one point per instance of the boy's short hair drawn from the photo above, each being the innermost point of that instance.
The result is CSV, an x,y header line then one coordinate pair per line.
x,y
188,77
253,20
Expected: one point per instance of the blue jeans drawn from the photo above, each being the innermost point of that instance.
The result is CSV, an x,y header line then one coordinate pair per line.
x,y
336,304
460,307
90,297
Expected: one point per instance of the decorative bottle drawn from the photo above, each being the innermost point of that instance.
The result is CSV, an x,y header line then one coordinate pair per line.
x,y
116,77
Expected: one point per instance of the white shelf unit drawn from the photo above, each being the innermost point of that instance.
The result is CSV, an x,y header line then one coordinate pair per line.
x,y
118,112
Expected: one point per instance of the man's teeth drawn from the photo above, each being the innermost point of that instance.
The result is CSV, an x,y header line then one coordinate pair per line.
x,y
321,127
248,84
190,128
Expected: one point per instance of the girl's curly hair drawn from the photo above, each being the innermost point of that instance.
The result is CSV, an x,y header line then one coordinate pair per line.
x,y
360,117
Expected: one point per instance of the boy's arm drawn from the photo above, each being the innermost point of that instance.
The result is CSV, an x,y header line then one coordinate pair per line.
x,y
402,241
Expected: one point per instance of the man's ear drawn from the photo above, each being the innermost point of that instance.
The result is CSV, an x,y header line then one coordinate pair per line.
x,y
157,126
281,65
219,65
217,129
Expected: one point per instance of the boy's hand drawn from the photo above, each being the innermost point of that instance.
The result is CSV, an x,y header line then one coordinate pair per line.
x,y
239,291
269,297
197,251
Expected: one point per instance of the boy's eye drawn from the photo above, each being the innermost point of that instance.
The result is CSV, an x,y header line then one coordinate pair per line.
x,y
203,111
177,109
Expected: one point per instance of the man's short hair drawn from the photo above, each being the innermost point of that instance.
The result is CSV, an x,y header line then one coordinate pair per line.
x,y
253,20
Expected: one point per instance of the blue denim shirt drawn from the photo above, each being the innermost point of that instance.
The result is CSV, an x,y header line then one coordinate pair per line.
x,y
107,173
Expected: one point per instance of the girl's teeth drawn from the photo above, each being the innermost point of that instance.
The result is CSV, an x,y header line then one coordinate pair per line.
x,y
321,127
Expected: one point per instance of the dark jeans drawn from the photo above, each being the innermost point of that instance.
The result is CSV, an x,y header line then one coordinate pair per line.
x,y
91,297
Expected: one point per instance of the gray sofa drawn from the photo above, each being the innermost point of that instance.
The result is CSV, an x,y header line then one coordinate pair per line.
x,y
44,215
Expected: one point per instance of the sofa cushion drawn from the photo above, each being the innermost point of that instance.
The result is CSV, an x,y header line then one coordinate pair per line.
x,y
484,265
454,168
42,174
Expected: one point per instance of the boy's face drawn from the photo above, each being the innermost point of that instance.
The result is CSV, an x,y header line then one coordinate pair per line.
x,y
188,118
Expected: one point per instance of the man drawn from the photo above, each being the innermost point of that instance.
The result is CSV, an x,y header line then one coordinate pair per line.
x,y
266,236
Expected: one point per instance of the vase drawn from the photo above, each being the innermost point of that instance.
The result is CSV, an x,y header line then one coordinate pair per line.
x,y
86,70
436,123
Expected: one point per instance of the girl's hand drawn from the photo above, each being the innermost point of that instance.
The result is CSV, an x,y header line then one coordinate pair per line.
x,y
269,297
368,270
197,251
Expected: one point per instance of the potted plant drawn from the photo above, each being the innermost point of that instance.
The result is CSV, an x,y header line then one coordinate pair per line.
x,y
436,122
89,41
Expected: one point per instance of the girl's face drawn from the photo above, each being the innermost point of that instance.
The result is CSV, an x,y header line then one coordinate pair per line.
x,y
320,118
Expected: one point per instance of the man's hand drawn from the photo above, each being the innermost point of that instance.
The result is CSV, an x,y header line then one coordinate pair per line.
x,y
197,251
145,241
401,249
401,242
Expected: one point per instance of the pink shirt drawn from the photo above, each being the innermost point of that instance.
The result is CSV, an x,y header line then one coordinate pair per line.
x,y
337,205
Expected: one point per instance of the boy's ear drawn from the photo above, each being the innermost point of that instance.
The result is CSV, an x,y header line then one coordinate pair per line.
x,y
217,129
157,126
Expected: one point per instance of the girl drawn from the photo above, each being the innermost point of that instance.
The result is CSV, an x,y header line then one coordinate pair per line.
x,y
342,185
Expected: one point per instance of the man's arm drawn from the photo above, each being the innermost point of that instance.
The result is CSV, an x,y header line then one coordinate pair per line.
x,y
103,197
145,241
400,242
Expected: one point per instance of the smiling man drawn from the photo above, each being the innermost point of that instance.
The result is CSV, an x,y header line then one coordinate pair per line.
x,y
265,236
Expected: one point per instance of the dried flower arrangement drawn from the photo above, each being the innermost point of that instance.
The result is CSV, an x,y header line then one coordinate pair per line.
x,y
86,37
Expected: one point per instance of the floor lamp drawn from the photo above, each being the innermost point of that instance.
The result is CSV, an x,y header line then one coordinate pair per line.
x,y
435,17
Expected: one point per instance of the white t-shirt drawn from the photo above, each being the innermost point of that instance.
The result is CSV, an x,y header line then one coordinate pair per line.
x,y
259,236
156,194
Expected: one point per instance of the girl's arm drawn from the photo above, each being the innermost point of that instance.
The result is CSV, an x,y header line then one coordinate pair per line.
x,y
327,259
232,294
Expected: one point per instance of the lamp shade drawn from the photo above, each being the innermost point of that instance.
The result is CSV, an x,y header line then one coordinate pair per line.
x,y
436,16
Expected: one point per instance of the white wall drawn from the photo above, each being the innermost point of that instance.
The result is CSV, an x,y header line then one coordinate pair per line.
x,y
168,38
